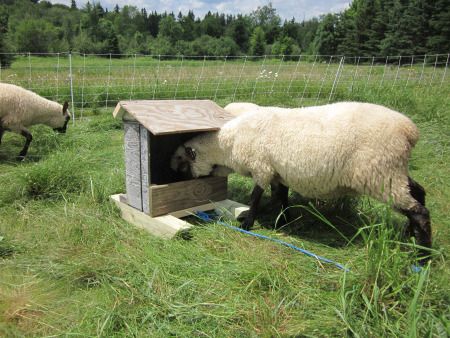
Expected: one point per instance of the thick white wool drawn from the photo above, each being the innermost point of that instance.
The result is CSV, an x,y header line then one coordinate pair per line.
x,y
320,152
238,108
22,108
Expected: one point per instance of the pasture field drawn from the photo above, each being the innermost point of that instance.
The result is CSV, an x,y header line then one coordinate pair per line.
x,y
70,266
303,80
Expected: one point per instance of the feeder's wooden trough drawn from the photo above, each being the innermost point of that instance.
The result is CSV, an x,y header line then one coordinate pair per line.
x,y
155,197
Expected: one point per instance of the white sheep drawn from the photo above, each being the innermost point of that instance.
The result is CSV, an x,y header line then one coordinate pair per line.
x,y
238,108
21,108
321,152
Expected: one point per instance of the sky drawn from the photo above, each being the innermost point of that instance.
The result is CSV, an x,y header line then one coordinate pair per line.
x,y
286,9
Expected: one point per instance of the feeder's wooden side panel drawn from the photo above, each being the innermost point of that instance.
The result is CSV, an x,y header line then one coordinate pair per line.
x,y
145,168
133,165
186,194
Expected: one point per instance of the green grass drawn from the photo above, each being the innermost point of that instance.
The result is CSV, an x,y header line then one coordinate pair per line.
x,y
69,265
100,81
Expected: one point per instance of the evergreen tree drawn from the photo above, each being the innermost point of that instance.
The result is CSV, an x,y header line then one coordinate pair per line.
x,y
407,29
327,38
153,23
73,4
267,18
188,26
212,25
5,59
170,29
239,31
257,42
439,39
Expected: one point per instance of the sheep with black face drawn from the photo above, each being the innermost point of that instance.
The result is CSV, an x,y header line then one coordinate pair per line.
x,y
21,108
329,151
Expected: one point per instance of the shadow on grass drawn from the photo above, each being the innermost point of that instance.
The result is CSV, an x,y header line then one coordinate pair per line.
x,y
334,223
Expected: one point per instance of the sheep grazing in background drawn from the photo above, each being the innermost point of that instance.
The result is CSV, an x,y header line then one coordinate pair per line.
x,y
329,151
21,108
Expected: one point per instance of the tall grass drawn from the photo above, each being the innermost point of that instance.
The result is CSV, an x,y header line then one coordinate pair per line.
x,y
69,265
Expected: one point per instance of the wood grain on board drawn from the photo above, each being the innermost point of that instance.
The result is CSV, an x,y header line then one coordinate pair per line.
x,y
186,194
174,116
133,164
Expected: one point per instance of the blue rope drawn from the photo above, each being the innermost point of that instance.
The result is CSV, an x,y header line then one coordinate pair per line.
x,y
207,218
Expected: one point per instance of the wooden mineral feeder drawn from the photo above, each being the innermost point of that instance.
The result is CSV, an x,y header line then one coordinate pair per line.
x,y
156,198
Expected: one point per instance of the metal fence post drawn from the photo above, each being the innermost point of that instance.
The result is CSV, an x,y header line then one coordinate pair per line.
x,y
29,71
71,86
220,77
445,70
336,78
256,80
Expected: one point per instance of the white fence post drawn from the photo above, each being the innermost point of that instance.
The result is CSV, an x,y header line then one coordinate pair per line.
x,y
423,68
293,75
157,76
239,80
133,78
445,70
179,77
29,71
309,77
108,80
220,78
71,86
200,77
336,78
256,80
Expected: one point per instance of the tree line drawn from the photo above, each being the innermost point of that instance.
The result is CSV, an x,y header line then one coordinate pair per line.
x,y
367,27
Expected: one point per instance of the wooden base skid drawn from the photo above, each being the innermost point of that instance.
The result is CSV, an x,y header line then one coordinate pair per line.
x,y
168,226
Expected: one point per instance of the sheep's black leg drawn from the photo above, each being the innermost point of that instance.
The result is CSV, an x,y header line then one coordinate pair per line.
x,y
419,220
251,213
417,191
2,131
282,194
28,138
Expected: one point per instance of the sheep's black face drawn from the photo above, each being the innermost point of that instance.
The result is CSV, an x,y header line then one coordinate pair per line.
x,y
66,115
181,162
63,129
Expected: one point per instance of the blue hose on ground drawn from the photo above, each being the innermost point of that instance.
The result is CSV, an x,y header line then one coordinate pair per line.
x,y
207,218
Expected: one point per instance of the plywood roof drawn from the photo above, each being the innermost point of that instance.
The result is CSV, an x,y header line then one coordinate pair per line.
x,y
173,116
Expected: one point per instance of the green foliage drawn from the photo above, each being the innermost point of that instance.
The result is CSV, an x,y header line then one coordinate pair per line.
x,y
257,42
327,37
170,29
267,18
5,59
161,46
366,28
35,36
285,46
209,46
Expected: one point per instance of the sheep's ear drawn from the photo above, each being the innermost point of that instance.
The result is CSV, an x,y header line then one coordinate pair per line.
x,y
65,106
191,153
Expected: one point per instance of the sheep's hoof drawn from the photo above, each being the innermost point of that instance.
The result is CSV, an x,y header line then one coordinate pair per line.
x,y
20,158
246,225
